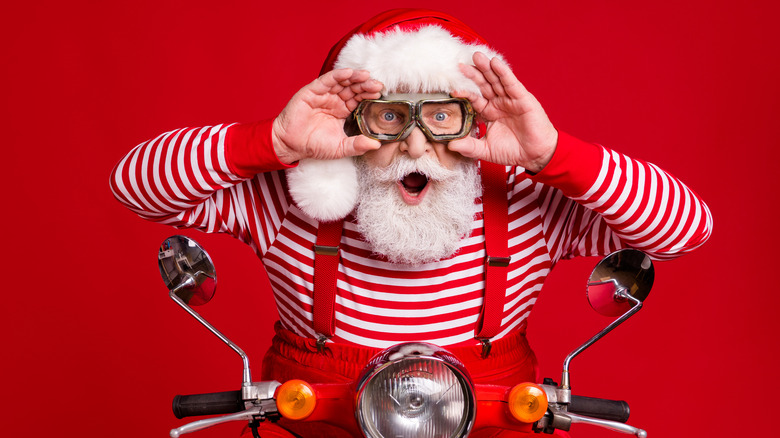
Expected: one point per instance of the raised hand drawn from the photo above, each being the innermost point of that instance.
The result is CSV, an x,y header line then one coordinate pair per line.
x,y
312,123
518,130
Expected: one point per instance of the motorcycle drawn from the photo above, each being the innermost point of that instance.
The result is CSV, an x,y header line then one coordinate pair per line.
x,y
410,389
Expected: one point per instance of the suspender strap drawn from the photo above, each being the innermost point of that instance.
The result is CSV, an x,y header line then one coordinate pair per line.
x,y
326,265
495,217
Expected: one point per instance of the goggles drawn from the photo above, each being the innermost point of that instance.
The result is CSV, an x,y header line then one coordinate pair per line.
x,y
441,119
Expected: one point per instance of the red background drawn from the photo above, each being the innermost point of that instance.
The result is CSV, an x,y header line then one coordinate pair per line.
x,y
93,347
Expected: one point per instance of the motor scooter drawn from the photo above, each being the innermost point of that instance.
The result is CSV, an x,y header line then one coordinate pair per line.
x,y
411,389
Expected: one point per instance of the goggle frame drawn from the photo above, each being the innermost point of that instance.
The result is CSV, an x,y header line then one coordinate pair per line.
x,y
415,108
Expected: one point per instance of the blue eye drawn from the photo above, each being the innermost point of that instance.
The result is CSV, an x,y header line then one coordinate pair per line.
x,y
388,117
440,117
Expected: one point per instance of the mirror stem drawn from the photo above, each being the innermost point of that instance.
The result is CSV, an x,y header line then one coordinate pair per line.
x,y
622,294
189,282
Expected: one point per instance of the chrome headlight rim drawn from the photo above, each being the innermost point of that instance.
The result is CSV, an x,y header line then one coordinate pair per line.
x,y
416,351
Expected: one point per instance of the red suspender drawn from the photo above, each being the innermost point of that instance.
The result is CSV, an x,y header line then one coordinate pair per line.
x,y
495,217
326,266
495,207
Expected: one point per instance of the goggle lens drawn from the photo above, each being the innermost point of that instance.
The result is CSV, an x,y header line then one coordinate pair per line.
x,y
440,119
386,118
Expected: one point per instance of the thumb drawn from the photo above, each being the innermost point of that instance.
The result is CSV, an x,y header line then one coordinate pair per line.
x,y
358,145
469,147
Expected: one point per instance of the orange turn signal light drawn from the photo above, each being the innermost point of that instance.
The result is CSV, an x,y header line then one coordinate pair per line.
x,y
527,402
295,399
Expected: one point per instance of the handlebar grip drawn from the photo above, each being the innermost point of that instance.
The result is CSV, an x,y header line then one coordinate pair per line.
x,y
615,410
207,404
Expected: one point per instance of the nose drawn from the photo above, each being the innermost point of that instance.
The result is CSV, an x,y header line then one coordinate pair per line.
x,y
415,144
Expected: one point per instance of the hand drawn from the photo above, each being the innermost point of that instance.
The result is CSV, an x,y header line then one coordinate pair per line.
x,y
518,130
312,123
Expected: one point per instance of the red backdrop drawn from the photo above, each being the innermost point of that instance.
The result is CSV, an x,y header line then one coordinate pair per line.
x,y
93,346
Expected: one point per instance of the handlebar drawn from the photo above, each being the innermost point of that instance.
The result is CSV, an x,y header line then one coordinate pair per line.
x,y
213,403
613,410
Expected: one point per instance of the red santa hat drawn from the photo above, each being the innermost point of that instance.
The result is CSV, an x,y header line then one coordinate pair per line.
x,y
408,50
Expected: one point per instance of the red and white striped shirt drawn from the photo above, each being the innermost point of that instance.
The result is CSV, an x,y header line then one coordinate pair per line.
x,y
588,201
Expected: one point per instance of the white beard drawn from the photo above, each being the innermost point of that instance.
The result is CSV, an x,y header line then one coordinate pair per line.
x,y
423,233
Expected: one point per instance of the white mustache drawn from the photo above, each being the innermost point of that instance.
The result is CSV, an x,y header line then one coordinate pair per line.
x,y
403,165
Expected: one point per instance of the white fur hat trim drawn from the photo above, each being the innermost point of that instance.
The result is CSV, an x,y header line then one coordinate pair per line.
x,y
325,190
421,61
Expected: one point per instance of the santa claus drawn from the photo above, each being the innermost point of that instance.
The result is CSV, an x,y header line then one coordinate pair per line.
x,y
415,191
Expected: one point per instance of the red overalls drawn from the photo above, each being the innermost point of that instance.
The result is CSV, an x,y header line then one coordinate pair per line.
x,y
511,361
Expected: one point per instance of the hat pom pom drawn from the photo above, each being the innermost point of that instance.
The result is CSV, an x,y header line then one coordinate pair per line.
x,y
326,190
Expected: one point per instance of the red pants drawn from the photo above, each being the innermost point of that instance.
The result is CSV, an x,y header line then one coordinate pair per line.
x,y
511,361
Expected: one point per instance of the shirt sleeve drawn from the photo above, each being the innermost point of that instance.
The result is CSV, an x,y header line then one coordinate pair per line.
x,y
213,178
604,200
250,150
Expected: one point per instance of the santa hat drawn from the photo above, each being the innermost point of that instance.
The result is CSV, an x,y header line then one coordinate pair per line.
x,y
408,50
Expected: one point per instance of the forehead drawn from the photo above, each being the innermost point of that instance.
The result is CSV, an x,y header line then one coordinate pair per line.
x,y
415,97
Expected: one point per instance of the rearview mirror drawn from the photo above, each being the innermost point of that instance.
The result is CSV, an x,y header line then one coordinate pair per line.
x,y
627,271
187,270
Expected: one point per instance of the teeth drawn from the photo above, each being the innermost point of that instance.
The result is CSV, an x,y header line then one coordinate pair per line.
x,y
414,182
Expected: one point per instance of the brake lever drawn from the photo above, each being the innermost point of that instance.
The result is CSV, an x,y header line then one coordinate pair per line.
x,y
613,425
248,414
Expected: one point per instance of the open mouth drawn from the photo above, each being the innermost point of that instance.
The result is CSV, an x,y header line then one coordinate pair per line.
x,y
413,187
414,183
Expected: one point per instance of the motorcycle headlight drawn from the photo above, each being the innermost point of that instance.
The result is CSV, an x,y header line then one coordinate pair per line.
x,y
415,390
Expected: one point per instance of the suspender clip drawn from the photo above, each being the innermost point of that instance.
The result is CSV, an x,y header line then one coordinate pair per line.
x,y
321,343
501,262
486,346
326,250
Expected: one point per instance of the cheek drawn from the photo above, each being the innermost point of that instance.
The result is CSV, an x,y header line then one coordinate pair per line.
x,y
449,159
381,157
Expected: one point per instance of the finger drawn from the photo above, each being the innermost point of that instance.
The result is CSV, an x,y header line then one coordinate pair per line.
x,y
360,76
346,94
370,85
359,92
513,87
368,95
477,101
340,79
359,82
355,101
483,63
356,80
474,75
479,79
335,77
328,82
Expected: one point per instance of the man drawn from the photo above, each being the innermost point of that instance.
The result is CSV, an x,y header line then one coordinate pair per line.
x,y
426,197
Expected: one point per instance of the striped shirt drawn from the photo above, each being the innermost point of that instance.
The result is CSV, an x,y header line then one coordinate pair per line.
x,y
589,200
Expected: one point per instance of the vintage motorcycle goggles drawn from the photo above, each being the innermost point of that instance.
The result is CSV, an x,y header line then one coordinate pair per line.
x,y
440,117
